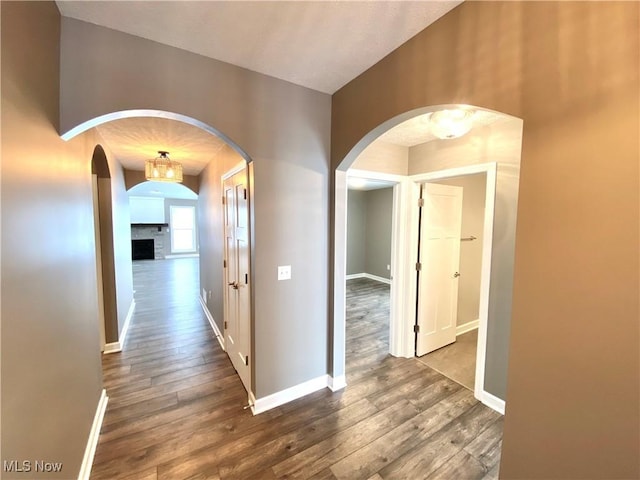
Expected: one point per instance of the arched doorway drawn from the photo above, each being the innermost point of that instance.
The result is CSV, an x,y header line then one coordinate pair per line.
x,y
491,149
226,155
103,228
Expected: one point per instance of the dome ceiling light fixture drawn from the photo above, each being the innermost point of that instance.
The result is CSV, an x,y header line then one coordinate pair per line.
x,y
451,123
163,169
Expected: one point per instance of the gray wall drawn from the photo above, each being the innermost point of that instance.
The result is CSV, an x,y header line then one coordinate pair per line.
x,y
356,231
369,223
473,200
283,128
379,223
50,354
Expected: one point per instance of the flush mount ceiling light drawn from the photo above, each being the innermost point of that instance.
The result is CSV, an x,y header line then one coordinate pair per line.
x,y
451,123
162,169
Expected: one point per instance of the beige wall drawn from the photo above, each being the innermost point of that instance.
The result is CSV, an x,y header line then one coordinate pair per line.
x,y
50,356
282,127
570,71
473,200
383,157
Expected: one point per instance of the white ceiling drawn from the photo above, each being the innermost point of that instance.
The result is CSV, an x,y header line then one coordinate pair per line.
x,y
317,44
134,140
162,190
357,183
416,131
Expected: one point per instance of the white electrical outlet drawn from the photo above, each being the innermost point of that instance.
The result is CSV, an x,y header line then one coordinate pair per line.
x,y
284,272
388,267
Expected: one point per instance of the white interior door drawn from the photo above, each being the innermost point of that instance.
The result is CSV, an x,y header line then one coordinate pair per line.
x,y
439,260
237,325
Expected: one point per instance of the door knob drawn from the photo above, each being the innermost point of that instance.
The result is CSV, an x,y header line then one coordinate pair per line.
x,y
234,285
456,275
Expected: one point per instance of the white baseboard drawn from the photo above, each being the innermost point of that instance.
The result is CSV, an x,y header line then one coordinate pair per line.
x,y
467,327
116,347
354,275
493,402
337,383
111,348
369,276
94,434
212,322
377,278
274,400
127,323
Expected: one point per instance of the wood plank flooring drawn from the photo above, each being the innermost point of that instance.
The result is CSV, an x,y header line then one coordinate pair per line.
x,y
176,405
456,361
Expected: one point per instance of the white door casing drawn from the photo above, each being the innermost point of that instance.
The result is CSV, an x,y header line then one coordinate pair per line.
x,y
439,257
237,306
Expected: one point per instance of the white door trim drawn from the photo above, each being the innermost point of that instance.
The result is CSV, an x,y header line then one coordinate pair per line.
x,y
238,168
491,170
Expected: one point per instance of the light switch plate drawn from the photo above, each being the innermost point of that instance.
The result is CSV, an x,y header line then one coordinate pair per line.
x,y
284,272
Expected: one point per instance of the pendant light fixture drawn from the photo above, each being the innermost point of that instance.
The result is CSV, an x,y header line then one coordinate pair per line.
x,y
451,123
163,169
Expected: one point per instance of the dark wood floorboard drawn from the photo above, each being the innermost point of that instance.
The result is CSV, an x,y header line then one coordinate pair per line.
x,y
176,404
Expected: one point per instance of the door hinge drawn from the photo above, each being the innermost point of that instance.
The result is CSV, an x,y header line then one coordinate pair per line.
x,y
223,202
246,360
225,324
416,329
421,202
418,266
246,278
224,264
245,193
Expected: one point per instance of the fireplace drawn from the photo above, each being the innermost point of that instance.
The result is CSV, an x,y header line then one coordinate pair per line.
x,y
143,249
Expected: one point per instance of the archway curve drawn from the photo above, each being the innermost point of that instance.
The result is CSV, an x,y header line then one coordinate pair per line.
x,y
105,253
507,169
372,135
99,163
181,190
94,122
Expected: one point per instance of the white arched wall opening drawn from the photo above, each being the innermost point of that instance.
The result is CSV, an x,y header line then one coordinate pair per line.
x,y
141,113
94,122
502,168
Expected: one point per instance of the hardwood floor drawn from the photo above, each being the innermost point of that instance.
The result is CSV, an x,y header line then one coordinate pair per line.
x,y
456,361
176,404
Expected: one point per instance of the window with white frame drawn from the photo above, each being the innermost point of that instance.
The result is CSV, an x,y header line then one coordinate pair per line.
x,y
183,228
